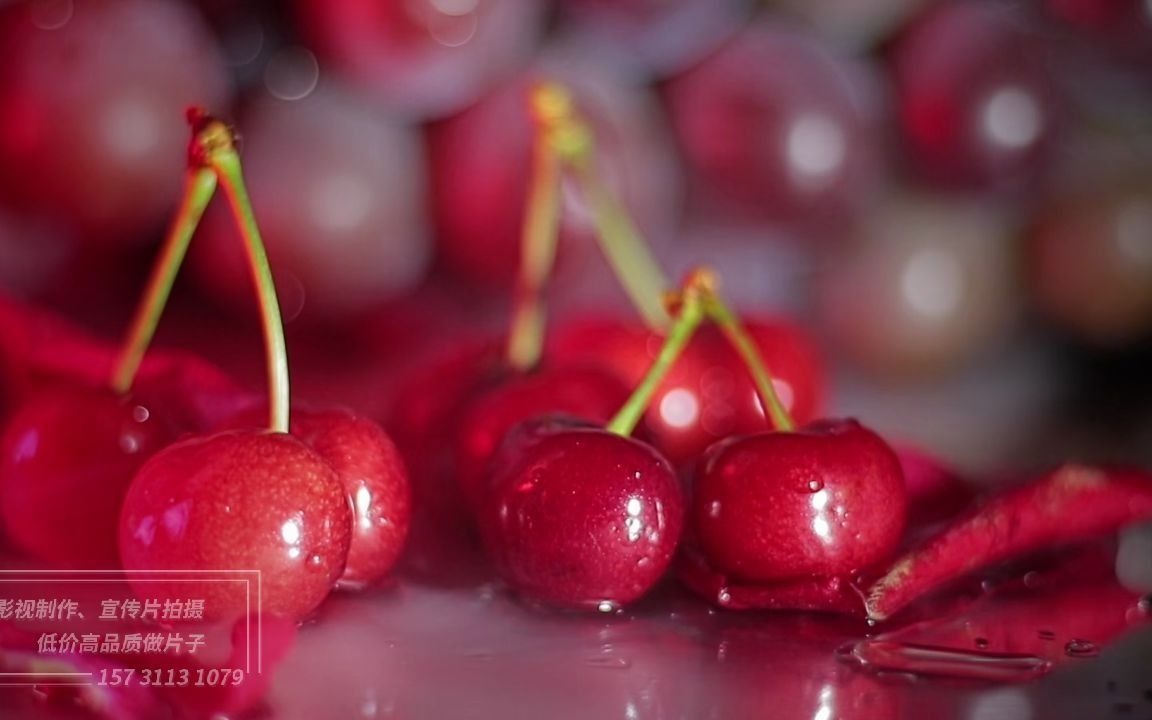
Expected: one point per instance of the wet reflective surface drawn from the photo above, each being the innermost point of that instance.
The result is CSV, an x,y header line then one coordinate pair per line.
x,y
421,652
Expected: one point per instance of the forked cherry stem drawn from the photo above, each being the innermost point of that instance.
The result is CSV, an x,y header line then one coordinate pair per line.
x,y
199,186
625,249
690,312
215,146
698,301
539,232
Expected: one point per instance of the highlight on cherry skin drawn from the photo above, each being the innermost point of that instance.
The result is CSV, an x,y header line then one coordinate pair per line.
x,y
580,518
249,499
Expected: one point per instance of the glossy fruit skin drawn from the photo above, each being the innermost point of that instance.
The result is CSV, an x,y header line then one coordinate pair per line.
x,y
373,475
240,500
708,394
67,457
585,391
581,518
828,499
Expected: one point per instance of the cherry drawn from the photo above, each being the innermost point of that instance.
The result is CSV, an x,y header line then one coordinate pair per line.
x,y
772,129
581,390
941,286
827,499
580,518
67,457
86,129
708,394
372,473
422,57
976,102
245,499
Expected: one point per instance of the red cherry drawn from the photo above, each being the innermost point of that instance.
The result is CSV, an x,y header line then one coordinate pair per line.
x,y
242,500
826,500
581,390
977,103
66,460
579,517
774,127
708,394
373,475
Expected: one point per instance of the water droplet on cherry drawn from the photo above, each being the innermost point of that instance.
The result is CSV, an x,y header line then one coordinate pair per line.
x,y
1081,649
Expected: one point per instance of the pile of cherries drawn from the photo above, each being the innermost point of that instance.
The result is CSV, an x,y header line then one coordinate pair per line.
x,y
584,460
117,459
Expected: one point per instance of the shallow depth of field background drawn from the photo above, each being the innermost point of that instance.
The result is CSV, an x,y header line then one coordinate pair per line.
x,y
954,197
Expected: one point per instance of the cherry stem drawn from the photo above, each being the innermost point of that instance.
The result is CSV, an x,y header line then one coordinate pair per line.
x,y
627,252
538,235
216,146
199,186
690,313
742,343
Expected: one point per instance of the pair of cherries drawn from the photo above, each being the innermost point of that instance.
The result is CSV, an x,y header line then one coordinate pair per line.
x,y
93,475
577,514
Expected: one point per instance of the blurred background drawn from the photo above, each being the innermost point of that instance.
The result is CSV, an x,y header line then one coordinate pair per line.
x,y
954,197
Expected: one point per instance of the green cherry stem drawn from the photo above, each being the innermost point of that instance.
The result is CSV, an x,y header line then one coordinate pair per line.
x,y
199,186
625,249
742,343
538,237
218,149
689,315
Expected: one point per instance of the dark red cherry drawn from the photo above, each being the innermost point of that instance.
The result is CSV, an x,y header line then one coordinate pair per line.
x,y
67,457
708,394
581,518
239,500
828,499
584,391
373,475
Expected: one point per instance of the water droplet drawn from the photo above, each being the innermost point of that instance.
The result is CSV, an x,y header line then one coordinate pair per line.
x,y
315,561
140,414
714,509
1081,649
643,562
1046,635
1032,579
815,485
723,597
981,643
607,606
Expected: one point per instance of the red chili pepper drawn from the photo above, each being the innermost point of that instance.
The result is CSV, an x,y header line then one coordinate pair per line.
x,y
1072,503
